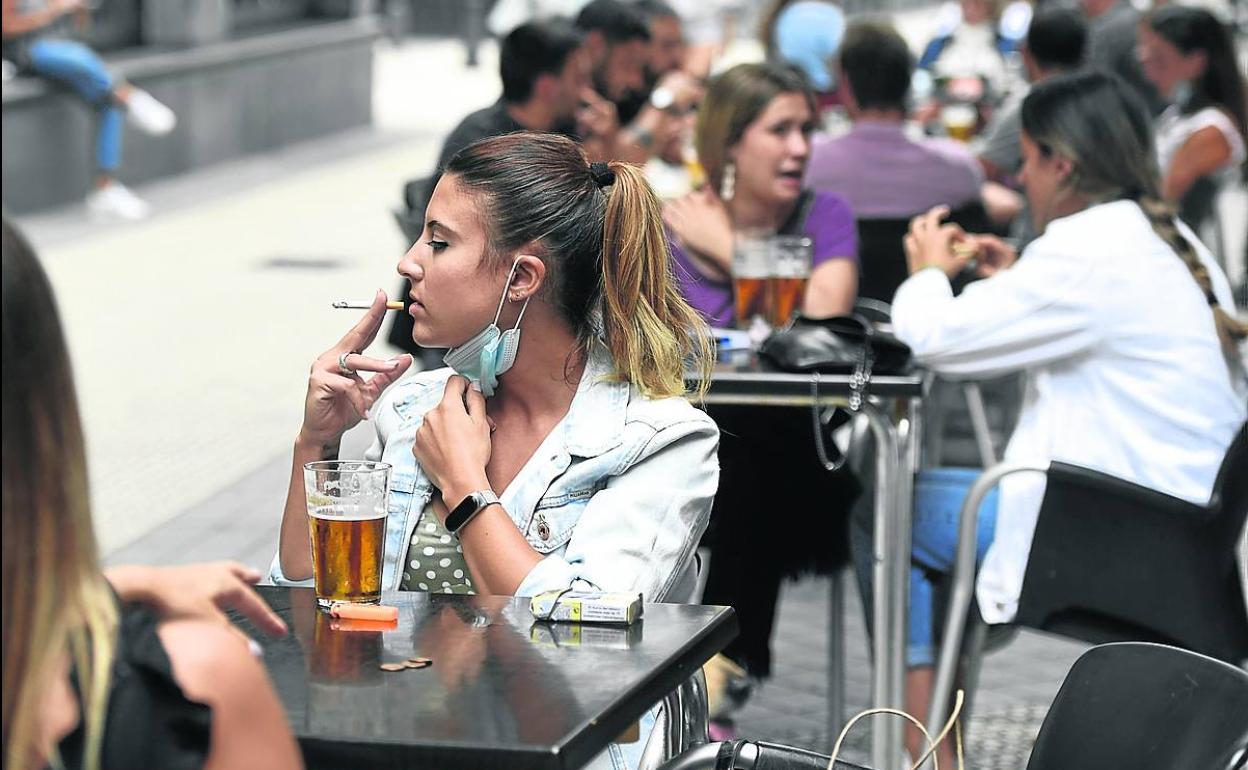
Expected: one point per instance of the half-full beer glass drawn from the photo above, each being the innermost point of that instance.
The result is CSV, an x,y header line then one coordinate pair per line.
x,y
347,517
791,255
751,272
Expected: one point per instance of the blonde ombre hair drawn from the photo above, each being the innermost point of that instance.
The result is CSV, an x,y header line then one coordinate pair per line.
x,y
55,600
609,268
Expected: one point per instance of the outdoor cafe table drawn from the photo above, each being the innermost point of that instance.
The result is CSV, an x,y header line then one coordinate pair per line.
x,y
894,413
504,690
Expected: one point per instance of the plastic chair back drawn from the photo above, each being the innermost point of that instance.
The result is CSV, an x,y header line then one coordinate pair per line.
x,y
882,258
1172,579
1144,707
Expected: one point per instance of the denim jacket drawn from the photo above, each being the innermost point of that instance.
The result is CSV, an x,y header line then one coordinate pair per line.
x,y
615,498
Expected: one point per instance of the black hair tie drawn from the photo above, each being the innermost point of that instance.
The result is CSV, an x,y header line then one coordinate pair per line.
x,y
602,174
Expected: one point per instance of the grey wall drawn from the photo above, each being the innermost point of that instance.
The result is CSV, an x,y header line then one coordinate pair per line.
x,y
232,98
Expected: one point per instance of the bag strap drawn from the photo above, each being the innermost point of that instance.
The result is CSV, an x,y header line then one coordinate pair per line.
x,y
859,383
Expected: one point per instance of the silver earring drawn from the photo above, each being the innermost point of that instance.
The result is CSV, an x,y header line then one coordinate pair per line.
x,y
728,185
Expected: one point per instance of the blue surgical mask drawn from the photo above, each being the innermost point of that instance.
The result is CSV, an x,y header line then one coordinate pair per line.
x,y
490,352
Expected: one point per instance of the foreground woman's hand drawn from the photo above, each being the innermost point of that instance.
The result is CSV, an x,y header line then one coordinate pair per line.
x,y
453,443
337,400
197,592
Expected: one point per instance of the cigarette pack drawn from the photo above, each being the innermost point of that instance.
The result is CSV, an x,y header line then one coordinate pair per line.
x,y
586,607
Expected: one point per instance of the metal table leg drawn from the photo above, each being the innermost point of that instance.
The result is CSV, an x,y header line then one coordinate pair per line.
x,y
888,660
836,654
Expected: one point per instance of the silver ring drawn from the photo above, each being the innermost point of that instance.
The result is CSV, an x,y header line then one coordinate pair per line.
x,y
342,364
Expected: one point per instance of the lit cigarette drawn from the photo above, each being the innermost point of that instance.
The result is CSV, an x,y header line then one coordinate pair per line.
x,y
391,304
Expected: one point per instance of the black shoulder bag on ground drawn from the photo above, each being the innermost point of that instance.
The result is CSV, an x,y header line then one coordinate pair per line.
x,y
839,345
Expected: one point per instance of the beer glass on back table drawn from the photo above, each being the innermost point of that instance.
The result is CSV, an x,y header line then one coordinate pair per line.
x,y
347,522
791,255
751,271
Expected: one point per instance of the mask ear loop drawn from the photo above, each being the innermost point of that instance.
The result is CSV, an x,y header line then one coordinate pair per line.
x,y
503,299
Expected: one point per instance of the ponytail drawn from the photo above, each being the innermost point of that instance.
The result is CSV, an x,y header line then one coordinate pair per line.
x,y
1161,216
649,328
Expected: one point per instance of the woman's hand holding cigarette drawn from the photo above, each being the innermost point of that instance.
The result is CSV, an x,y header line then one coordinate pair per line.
x,y
338,397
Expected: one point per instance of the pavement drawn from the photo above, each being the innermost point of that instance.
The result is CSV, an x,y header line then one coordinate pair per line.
x,y
191,334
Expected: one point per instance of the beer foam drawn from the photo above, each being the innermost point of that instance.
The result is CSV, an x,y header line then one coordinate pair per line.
x,y
341,512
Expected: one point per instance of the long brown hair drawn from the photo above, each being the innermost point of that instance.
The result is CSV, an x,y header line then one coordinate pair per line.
x,y
1094,120
55,599
605,250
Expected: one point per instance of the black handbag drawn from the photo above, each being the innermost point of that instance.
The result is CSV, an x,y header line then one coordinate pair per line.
x,y
835,346
847,344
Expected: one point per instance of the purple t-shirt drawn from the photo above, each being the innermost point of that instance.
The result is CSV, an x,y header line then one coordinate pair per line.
x,y
830,225
884,174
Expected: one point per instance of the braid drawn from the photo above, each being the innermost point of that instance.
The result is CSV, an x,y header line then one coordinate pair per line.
x,y
1161,215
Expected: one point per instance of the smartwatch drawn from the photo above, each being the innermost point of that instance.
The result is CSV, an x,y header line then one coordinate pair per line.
x,y
469,507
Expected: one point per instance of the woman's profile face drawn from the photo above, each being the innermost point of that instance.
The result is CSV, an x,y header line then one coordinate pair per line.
x,y
1042,180
1164,64
454,293
771,157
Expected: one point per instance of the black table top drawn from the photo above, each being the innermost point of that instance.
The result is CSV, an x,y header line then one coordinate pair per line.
x,y
741,377
504,690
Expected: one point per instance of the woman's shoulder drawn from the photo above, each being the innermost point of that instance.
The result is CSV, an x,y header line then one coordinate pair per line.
x,y
828,205
674,413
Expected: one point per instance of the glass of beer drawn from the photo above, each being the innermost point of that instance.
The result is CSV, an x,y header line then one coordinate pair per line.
x,y
791,255
347,516
751,272
959,120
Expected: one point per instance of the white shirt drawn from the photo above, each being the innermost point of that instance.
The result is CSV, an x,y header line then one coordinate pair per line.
x,y
1174,129
1125,372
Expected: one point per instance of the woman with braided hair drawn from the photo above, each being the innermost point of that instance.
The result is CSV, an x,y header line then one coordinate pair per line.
x,y
1121,319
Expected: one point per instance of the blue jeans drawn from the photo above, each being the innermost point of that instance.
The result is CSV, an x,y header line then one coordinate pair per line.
x,y
938,496
78,67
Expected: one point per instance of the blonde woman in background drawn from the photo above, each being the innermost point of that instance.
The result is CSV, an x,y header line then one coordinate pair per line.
x,y
182,692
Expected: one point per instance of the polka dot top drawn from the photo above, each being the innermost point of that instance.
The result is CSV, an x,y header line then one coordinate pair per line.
x,y
435,559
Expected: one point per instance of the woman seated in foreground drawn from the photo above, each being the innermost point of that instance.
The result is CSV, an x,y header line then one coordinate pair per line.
x,y
1151,393
89,684
579,461
604,473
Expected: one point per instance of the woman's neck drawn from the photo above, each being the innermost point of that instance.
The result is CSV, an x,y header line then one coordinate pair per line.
x,y
753,213
547,370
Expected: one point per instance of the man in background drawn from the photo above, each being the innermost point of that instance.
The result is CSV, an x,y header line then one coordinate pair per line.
x,y
1112,28
1054,45
881,171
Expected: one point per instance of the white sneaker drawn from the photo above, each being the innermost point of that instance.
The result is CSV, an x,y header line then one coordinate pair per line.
x,y
149,115
116,203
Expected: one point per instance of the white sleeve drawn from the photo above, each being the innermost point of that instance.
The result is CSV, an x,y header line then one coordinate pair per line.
x,y
1031,314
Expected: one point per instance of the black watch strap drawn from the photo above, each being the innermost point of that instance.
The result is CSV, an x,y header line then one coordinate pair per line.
x,y
469,507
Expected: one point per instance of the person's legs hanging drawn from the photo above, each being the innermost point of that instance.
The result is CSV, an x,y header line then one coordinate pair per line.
x,y
80,68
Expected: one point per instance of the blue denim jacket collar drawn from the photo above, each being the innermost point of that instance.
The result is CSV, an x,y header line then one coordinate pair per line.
x,y
595,419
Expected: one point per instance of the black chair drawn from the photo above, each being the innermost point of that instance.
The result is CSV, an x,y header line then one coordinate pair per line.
x,y
1145,707
1172,577
1114,561
882,258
